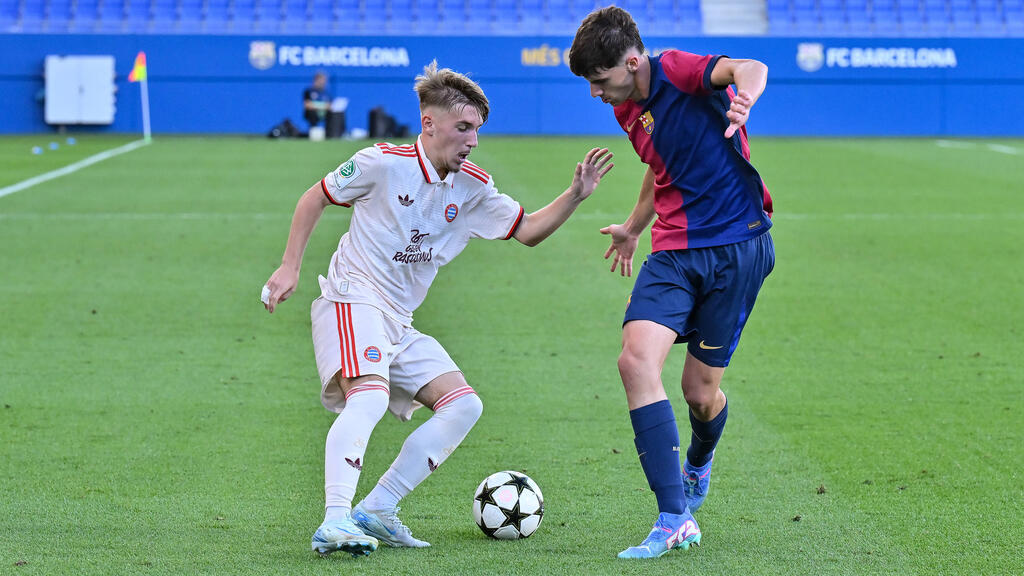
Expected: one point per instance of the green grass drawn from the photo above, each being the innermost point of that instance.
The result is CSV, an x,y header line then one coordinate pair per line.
x,y
17,162
155,420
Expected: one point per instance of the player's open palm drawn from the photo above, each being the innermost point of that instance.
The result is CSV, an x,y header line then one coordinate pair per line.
x,y
282,284
588,174
623,247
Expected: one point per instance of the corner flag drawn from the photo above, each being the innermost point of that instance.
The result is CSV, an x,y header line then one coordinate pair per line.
x,y
138,73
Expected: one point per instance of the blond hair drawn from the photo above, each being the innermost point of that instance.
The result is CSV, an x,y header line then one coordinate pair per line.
x,y
448,90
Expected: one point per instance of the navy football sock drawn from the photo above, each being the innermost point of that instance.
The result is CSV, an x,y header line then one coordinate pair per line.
x,y
657,443
705,437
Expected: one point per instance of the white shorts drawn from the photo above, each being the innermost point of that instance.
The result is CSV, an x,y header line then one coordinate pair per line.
x,y
352,340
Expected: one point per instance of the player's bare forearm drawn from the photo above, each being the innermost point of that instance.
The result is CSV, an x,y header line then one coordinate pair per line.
x,y
537,226
307,213
750,76
285,279
643,212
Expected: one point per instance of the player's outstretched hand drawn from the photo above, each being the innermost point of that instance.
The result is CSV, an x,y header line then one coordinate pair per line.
x,y
738,112
623,246
282,284
588,173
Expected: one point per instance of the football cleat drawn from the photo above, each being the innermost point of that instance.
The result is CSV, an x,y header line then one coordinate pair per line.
x,y
385,526
670,531
343,534
696,482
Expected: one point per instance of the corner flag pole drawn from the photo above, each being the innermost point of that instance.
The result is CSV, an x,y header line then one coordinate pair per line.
x,y
146,134
140,74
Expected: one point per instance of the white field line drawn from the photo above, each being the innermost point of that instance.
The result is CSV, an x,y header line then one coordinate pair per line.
x,y
962,145
71,168
1003,149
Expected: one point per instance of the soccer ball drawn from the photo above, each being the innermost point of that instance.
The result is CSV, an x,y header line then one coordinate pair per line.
x,y
508,505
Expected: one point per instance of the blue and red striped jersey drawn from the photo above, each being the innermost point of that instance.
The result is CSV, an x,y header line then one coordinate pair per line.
x,y
707,193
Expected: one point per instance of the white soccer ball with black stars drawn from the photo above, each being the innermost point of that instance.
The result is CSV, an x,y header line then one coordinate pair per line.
x,y
508,505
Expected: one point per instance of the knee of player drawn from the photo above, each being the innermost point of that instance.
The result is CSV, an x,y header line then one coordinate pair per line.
x,y
465,408
370,397
632,364
700,400
471,407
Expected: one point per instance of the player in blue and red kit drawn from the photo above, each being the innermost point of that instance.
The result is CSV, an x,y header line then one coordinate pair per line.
x,y
711,249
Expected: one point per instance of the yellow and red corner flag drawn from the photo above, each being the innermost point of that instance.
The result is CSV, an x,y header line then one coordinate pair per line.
x,y
138,73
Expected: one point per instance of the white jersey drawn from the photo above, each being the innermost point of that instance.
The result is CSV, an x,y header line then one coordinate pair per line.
x,y
406,224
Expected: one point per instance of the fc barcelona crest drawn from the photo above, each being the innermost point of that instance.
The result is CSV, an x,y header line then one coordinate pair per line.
x,y
648,122
262,55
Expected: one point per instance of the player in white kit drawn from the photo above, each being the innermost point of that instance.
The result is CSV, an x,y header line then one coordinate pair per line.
x,y
415,207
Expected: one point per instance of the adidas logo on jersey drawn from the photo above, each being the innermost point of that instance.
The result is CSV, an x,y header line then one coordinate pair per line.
x,y
406,200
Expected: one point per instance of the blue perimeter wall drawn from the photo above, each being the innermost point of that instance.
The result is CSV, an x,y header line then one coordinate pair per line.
x,y
816,86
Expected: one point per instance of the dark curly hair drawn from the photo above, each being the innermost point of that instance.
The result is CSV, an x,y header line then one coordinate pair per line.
x,y
602,39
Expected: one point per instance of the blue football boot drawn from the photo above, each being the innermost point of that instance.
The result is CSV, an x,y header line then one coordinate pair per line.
x,y
385,526
342,534
696,482
670,531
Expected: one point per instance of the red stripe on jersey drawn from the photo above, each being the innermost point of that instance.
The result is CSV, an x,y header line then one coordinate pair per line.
x,y
423,168
406,150
516,224
323,186
476,174
477,169
403,147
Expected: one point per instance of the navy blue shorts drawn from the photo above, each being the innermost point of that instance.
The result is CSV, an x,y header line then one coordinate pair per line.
x,y
704,294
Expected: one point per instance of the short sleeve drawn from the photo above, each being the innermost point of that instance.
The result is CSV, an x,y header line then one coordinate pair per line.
x,y
691,73
353,179
494,215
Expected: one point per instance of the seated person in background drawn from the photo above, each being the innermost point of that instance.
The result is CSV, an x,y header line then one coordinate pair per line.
x,y
316,101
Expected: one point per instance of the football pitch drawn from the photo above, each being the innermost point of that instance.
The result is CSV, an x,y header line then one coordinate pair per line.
x,y
154,419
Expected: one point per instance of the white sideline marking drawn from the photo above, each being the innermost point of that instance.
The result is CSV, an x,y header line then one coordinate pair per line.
x,y
1003,149
70,168
959,145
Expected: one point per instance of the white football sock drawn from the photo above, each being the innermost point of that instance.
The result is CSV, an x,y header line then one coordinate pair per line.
x,y
365,405
427,447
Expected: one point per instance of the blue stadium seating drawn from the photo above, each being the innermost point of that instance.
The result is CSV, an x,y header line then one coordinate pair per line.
x,y
508,17
58,15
